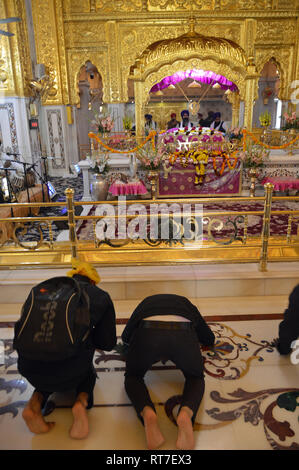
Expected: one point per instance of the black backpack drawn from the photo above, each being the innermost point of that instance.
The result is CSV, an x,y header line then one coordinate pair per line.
x,y
55,320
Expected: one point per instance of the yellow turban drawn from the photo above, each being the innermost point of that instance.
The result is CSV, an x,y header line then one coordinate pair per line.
x,y
85,269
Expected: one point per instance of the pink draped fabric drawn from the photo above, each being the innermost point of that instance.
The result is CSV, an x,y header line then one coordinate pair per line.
x,y
127,189
282,184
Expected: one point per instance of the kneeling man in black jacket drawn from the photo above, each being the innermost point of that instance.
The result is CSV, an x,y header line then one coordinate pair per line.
x,y
166,326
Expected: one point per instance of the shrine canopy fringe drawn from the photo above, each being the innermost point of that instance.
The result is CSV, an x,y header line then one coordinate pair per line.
x,y
203,76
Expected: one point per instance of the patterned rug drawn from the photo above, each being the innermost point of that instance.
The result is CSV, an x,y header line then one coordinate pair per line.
x,y
223,227
60,185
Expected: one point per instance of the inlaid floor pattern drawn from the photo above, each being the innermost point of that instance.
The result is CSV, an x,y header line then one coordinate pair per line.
x,y
250,400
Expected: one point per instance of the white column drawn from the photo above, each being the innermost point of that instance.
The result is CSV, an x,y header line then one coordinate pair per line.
x,y
85,165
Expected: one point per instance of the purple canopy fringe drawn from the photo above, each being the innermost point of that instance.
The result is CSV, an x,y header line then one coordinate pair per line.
x,y
202,76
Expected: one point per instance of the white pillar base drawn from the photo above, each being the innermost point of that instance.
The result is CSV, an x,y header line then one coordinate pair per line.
x,y
85,166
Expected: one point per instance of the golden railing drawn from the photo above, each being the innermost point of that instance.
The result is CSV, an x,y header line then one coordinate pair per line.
x,y
236,247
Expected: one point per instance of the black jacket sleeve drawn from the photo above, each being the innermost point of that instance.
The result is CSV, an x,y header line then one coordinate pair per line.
x,y
289,327
103,313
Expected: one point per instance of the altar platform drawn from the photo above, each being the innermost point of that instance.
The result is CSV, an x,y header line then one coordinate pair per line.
x,y
180,182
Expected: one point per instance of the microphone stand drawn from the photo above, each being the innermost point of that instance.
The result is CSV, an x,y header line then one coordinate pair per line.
x,y
45,176
26,185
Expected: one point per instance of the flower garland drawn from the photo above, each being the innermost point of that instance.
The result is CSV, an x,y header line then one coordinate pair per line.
x,y
151,137
200,158
276,147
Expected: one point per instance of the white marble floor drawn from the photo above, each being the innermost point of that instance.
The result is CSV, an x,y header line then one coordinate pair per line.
x,y
249,388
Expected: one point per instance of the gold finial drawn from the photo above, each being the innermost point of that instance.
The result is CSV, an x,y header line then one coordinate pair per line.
x,y
192,24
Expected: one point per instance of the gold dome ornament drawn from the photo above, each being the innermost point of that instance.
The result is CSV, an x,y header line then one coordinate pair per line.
x,y
194,84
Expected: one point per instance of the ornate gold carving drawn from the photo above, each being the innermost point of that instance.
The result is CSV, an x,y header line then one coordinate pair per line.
x,y
271,32
115,83
15,63
185,46
174,5
87,33
117,5
45,27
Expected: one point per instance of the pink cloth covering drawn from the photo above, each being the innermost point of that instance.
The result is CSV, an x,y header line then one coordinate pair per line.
x,y
127,189
282,184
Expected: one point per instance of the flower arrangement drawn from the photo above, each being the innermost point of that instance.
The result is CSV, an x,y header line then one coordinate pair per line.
x,y
103,123
254,156
151,158
127,123
101,166
265,119
291,121
235,133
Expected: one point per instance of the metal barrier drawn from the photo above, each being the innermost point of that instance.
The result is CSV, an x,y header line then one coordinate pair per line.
x,y
235,245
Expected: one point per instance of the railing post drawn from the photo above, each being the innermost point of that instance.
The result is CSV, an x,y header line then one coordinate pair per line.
x,y
71,222
266,226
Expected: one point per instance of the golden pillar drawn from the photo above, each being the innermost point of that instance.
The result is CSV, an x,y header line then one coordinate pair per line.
x,y
139,110
251,94
234,99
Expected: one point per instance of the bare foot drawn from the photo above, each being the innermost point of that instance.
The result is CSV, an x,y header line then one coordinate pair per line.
x,y
80,428
185,439
33,417
154,436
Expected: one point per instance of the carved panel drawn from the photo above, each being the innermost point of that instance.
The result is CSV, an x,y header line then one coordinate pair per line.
x,y
15,63
11,122
269,32
117,5
85,32
56,139
46,45
76,6
133,41
173,5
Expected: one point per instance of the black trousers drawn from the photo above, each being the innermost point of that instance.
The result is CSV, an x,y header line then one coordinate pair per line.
x,y
154,341
84,383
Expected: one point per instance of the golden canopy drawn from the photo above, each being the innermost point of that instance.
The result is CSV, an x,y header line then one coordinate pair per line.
x,y
222,50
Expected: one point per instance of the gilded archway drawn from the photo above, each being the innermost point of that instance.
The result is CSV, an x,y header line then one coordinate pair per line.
x,y
191,51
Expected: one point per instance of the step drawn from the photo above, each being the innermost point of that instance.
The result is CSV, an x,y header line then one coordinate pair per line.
x,y
240,308
194,281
